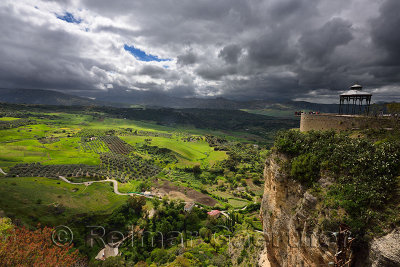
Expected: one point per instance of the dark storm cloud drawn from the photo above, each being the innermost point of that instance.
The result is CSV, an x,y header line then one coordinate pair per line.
x,y
281,49
150,86
268,86
182,91
385,29
187,59
39,57
271,49
385,35
320,43
152,71
214,72
230,53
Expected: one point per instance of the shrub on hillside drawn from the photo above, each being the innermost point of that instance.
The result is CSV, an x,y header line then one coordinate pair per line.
x,y
306,168
24,247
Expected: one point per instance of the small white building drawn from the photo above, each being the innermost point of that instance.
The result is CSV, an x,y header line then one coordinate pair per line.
x,y
107,251
147,194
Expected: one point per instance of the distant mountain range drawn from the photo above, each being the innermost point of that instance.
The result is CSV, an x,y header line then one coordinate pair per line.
x,y
43,97
124,98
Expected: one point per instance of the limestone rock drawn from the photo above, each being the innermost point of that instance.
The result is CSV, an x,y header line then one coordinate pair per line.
x,y
385,251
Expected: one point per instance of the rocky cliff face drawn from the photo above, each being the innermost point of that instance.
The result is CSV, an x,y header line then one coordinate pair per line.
x,y
384,251
291,234
286,209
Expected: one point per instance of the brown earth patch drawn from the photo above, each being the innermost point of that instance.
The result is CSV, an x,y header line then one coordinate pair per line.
x,y
180,192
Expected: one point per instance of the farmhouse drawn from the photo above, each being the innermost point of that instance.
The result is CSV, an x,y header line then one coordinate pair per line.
x,y
214,213
106,252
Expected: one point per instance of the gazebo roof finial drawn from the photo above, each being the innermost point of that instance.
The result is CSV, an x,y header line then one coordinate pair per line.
x,y
356,86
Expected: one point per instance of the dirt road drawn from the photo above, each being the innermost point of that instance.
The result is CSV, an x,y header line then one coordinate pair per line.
x,y
115,183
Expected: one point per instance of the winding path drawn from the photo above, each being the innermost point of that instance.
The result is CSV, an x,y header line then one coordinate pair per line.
x,y
115,183
1,171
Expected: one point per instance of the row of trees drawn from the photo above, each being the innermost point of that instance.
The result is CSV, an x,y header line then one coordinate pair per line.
x,y
132,166
51,171
16,123
120,132
93,144
116,144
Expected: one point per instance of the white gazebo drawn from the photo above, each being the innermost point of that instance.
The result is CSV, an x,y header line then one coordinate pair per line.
x,y
352,101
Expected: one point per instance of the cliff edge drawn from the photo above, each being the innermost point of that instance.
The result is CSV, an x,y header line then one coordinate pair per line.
x,y
294,237
291,237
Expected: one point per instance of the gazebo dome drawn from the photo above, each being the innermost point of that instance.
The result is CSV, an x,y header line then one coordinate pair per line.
x,y
356,87
355,93
356,90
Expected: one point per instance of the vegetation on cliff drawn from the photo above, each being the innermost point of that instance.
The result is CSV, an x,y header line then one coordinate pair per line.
x,y
23,247
363,170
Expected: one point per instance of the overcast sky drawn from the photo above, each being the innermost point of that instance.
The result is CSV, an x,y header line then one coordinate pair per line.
x,y
280,49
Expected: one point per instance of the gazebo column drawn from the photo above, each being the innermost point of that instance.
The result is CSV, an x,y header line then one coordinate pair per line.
x,y
341,105
369,105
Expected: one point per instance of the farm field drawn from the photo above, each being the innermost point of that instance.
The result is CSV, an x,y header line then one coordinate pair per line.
x,y
94,146
172,165
188,152
51,201
64,151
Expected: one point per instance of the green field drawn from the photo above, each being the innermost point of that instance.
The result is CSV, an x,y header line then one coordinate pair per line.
x,y
87,146
33,199
65,151
199,157
21,144
237,203
25,145
8,119
189,152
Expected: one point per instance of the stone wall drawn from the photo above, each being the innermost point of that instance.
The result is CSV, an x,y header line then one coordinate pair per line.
x,y
325,122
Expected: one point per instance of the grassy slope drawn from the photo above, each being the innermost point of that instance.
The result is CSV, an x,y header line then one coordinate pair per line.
x,y
189,152
65,151
19,197
8,119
